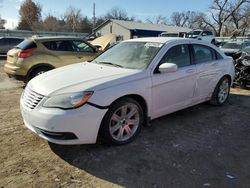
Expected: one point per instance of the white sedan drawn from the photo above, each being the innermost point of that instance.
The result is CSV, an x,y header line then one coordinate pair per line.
x,y
124,88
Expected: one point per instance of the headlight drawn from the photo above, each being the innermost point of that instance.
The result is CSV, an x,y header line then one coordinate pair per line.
x,y
68,101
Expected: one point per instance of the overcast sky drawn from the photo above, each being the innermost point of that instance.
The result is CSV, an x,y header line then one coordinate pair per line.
x,y
141,9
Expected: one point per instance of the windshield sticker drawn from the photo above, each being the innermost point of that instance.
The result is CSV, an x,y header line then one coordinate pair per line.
x,y
153,44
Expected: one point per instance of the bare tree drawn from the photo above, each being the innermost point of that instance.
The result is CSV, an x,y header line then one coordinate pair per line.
x,y
241,19
73,17
51,23
118,14
221,11
160,19
180,18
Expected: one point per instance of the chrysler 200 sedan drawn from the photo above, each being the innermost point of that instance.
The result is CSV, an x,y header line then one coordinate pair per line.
x,y
125,87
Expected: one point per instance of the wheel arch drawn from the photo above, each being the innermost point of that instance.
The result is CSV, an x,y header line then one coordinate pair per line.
x,y
138,98
229,77
37,66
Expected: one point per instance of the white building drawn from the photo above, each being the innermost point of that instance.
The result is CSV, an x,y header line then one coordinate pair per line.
x,y
125,30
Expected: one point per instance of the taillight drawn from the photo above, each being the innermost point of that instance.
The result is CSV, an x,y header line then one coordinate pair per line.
x,y
25,53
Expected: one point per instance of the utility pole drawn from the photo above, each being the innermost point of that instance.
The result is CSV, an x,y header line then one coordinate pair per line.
x,y
94,18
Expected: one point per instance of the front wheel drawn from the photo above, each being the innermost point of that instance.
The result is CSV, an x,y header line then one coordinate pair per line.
x,y
221,92
122,123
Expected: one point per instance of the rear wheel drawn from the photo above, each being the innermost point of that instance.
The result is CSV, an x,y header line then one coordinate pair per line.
x,y
38,71
122,123
221,92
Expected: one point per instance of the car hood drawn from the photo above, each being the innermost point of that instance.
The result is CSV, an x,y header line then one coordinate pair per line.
x,y
77,77
103,41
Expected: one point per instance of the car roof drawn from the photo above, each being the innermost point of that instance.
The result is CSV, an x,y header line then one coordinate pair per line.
x,y
11,38
56,38
156,39
164,40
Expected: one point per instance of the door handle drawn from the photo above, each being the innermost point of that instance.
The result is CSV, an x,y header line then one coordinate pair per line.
x,y
190,71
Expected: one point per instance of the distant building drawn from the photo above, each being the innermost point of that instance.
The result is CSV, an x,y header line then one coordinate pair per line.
x,y
128,29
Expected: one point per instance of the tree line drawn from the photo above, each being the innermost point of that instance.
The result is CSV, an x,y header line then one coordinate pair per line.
x,y
224,18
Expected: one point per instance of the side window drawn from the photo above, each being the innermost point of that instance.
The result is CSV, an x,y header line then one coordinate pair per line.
x,y
81,46
4,41
217,55
63,45
202,54
51,45
178,55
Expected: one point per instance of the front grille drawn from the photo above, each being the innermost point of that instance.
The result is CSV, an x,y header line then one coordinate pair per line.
x,y
31,98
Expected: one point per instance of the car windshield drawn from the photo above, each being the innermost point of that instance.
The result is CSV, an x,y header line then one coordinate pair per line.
x,y
193,33
132,55
232,45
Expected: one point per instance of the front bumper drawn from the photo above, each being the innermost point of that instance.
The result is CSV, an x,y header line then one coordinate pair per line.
x,y
67,127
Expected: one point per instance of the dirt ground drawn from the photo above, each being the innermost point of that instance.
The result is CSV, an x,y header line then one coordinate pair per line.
x,y
202,146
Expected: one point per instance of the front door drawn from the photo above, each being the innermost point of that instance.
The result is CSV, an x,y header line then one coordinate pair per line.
x,y
175,90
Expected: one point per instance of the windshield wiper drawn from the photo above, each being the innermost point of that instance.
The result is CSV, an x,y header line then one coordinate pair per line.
x,y
113,64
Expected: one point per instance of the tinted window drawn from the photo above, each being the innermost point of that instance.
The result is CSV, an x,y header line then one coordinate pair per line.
x,y
26,44
4,41
208,32
62,45
218,56
178,55
67,45
14,41
202,53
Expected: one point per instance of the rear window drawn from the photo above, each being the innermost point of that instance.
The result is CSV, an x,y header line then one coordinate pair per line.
x,y
26,44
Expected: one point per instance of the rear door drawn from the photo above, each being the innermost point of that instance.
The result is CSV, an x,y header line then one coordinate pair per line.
x,y
65,52
208,69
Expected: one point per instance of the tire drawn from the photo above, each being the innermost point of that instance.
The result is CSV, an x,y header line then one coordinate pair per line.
x,y
38,71
221,92
115,128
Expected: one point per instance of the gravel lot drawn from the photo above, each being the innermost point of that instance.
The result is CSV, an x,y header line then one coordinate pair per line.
x,y
202,146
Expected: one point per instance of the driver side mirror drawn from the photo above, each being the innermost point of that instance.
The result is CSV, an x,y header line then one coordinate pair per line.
x,y
168,67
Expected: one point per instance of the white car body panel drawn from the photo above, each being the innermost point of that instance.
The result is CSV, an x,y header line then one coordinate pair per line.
x,y
163,92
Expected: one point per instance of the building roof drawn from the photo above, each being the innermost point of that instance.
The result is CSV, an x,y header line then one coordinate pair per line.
x,y
131,25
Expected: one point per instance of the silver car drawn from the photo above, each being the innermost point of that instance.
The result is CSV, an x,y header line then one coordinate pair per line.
x,y
6,43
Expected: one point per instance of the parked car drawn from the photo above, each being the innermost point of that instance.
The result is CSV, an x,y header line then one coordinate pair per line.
x,y
37,55
6,43
123,88
232,49
207,36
